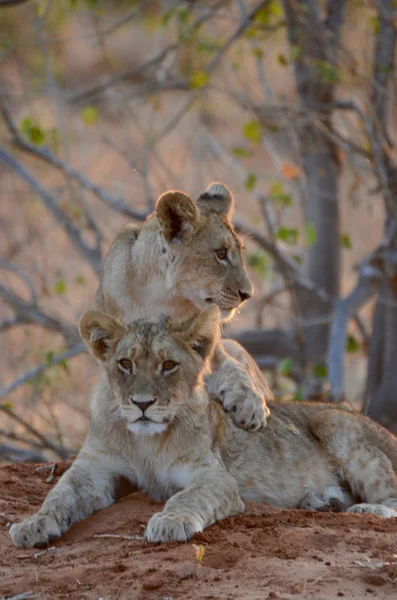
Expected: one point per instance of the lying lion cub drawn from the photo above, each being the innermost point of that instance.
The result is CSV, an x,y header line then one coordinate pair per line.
x,y
153,423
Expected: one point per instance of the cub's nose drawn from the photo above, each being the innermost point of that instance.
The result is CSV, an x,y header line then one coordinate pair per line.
x,y
142,405
244,295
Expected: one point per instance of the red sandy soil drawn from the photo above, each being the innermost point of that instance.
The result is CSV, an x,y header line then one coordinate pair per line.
x,y
268,553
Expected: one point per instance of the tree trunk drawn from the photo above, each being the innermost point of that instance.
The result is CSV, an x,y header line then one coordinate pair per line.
x,y
315,43
381,401
382,369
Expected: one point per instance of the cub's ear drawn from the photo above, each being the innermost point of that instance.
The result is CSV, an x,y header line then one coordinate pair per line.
x,y
100,332
177,215
203,331
216,198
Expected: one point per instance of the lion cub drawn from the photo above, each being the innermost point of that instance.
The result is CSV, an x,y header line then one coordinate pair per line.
x,y
152,422
183,258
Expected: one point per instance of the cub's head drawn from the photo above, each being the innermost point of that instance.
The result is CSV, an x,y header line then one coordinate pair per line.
x,y
206,263
152,367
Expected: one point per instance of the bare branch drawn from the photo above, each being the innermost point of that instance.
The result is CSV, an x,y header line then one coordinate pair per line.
x,y
4,264
59,450
12,2
384,62
10,435
268,298
36,371
127,16
263,343
367,286
334,19
8,324
286,265
137,74
91,255
237,33
181,112
154,62
31,313
44,153
14,454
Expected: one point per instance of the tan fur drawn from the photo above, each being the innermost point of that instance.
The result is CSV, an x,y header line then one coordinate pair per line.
x,y
170,267
159,430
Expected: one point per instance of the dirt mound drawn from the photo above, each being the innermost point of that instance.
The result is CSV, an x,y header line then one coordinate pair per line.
x,y
267,553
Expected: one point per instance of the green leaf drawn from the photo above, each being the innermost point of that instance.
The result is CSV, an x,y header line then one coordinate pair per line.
x,y
295,53
5,41
89,115
375,25
64,364
208,45
60,286
352,344
345,241
80,279
310,233
284,366
264,15
288,235
49,358
252,131
32,131
327,71
40,8
36,135
297,258
7,406
278,195
282,59
183,15
26,125
251,32
250,182
166,18
199,79
298,396
320,371
258,52
258,262
239,151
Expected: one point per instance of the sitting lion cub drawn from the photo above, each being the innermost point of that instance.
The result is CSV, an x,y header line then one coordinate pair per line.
x,y
153,423
185,257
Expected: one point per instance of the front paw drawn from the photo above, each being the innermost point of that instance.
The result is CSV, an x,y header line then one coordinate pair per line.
x,y
239,396
35,531
247,407
176,528
380,510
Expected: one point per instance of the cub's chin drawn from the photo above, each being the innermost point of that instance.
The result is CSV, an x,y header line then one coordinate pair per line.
x,y
227,314
147,428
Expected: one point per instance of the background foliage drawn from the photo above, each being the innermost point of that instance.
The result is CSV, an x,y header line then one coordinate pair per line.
x,y
106,104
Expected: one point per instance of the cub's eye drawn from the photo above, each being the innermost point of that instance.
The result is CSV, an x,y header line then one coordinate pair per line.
x,y
169,365
221,254
125,364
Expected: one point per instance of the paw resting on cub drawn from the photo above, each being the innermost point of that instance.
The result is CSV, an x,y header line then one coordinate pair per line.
x,y
177,528
235,389
35,531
